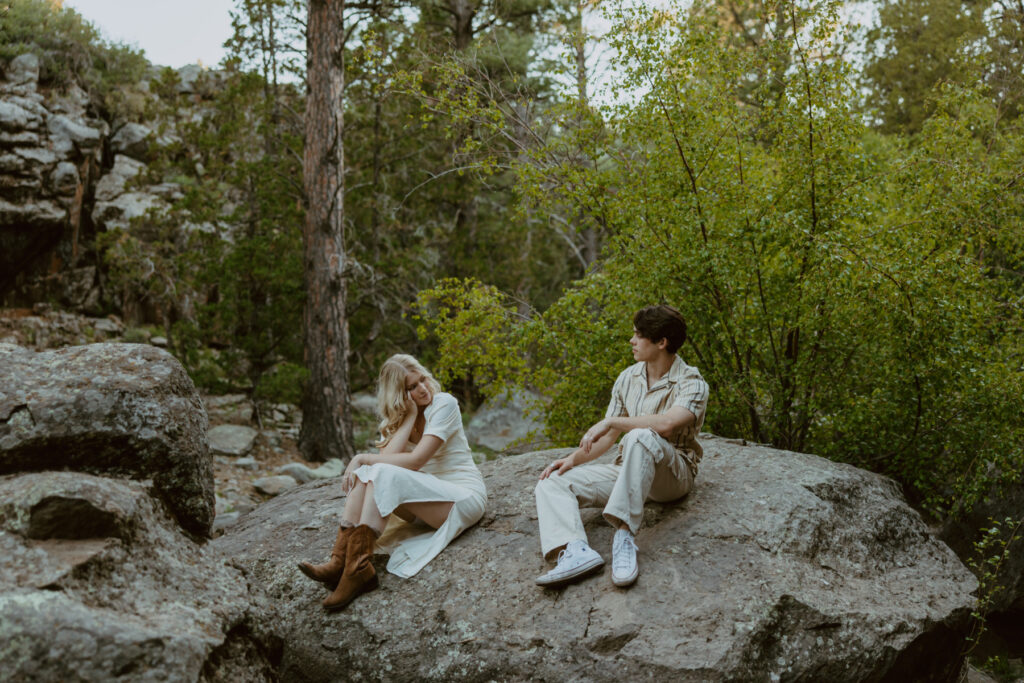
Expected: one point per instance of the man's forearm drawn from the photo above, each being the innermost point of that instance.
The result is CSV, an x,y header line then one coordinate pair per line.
x,y
663,423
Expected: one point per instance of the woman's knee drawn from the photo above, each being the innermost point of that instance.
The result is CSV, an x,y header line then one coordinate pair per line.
x,y
381,473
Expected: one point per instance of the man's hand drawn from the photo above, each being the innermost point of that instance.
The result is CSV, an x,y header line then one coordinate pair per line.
x,y
593,434
561,466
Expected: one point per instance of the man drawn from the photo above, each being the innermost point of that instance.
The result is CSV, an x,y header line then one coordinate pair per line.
x,y
659,404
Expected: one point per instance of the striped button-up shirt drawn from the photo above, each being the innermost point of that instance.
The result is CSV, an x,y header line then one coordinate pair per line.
x,y
682,386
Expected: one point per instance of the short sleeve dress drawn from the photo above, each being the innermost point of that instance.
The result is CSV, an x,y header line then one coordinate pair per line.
x,y
450,475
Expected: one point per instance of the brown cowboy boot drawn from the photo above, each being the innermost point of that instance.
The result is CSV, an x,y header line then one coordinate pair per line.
x,y
330,572
359,576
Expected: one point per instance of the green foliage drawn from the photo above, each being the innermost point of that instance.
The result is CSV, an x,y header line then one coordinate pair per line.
x,y
831,277
919,46
991,551
71,51
242,255
282,384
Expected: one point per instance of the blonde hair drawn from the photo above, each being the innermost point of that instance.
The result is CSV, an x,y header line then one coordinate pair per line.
x,y
391,392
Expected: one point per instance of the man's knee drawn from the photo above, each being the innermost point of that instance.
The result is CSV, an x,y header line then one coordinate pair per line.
x,y
645,439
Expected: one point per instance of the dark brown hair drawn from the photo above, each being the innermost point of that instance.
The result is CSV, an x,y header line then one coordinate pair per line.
x,y
661,322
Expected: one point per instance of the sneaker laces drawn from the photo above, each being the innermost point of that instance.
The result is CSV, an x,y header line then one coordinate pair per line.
x,y
565,553
625,552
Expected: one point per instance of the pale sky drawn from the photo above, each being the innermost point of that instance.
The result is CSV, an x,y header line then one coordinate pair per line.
x,y
172,33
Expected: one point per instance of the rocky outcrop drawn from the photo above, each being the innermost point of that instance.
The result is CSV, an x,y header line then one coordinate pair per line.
x,y
65,176
778,567
508,423
41,328
49,153
114,409
97,583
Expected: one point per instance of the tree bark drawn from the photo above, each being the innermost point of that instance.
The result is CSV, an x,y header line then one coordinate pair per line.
x,y
326,421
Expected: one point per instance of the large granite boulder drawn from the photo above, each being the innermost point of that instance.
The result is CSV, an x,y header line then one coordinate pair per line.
x,y
114,409
778,567
97,583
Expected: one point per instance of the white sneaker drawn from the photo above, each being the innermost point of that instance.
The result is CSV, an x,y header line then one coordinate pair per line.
x,y
576,560
624,567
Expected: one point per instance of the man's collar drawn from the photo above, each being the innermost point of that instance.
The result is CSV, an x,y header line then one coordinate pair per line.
x,y
676,371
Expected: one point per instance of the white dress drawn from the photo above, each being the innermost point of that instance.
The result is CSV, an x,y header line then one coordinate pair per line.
x,y
450,475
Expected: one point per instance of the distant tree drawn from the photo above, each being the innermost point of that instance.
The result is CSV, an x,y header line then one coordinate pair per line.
x,y
917,45
326,420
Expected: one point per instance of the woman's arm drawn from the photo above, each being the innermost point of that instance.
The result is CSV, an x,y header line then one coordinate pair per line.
x,y
413,460
410,460
444,420
400,439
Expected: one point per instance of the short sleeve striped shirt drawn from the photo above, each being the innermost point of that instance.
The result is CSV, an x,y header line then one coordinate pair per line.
x,y
682,386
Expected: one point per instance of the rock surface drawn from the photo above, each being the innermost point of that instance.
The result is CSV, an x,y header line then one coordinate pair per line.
x,y
778,567
506,423
97,583
124,410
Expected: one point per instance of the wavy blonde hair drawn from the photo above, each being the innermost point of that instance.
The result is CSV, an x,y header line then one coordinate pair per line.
x,y
391,392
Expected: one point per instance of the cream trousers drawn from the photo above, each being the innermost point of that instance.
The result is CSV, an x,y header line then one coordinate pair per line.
x,y
650,469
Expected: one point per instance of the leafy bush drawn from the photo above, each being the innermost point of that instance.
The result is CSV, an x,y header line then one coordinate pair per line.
x,y
831,278
282,384
71,51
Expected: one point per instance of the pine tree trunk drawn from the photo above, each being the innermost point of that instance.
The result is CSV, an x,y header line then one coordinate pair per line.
x,y
326,422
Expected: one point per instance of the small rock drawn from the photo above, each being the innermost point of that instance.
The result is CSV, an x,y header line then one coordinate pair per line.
x,y
231,439
67,133
15,118
364,403
225,401
24,70
303,474
332,468
297,471
64,178
159,341
225,520
229,408
274,485
112,185
107,326
132,139
247,463
243,507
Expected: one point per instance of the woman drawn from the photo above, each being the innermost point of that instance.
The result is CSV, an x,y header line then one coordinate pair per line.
x,y
424,473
